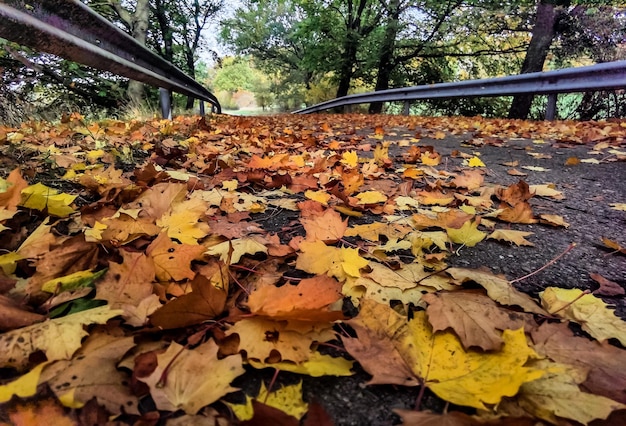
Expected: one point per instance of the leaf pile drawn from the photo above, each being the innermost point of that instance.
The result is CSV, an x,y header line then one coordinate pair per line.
x,y
161,260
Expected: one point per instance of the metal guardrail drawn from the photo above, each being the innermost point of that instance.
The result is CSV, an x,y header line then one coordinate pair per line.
x,y
606,76
72,30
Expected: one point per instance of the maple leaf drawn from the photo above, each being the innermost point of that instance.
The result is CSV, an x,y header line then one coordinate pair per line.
x,y
557,394
468,234
476,319
190,379
265,339
30,412
310,300
327,226
341,263
603,361
319,196
607,287
438,360
41,197
182,223
205,302
25,385
317,365
287,399
475,162
58,338
92,373
126,285
233,250
511,236
14,316
10,195
498,288
587,310
172,261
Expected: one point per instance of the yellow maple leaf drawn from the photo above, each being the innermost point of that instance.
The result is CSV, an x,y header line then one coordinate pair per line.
x,y
318,258
557,395
618,206
23,386
468,234
230,185
8,261
470,378
195,377
371,197
182,221
317,365
287,399
590,312
430,158
319,196
475,162
40,197
239,247
58,338
512,236
350,159
409,353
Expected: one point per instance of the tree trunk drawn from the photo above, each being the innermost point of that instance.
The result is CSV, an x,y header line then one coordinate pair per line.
x,y
139,27
544,31
386,63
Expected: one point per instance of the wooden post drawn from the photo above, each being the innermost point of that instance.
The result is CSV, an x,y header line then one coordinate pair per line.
x,y
407,108
551,107
166,103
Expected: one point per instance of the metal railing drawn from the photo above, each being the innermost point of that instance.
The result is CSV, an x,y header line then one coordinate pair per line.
x,y
606,76
71,30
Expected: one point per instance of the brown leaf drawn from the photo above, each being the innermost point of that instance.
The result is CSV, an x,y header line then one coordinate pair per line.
x,y
205,302
515,194
317,416
474,317
607,287
172,261
13,316
604,361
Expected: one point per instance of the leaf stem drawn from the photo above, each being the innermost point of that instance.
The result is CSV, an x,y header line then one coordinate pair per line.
x,y
271,385
163,379
584,293
420,396
550,263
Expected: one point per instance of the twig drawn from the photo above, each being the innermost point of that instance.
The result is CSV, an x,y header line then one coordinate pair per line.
x,y
271,385
553,261
567,305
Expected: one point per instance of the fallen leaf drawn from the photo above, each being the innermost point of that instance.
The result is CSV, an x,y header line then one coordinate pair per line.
x,y
468,234
614,245
284,340
189,379
461,377
317,258
498,288
287,399
41,197
607,287
204,303
556,395
475,162
233,250
511,236
58,338
327,226
585,309
25,385
603,361
317,365
14,316
266,415
476,319
92,373
172,261
310,300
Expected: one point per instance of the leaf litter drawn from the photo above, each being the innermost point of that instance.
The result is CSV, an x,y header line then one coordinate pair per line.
x,y
152,263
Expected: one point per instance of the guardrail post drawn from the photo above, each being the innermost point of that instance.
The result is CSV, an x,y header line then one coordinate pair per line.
x,y
201,107
407,108
166,103
551,107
